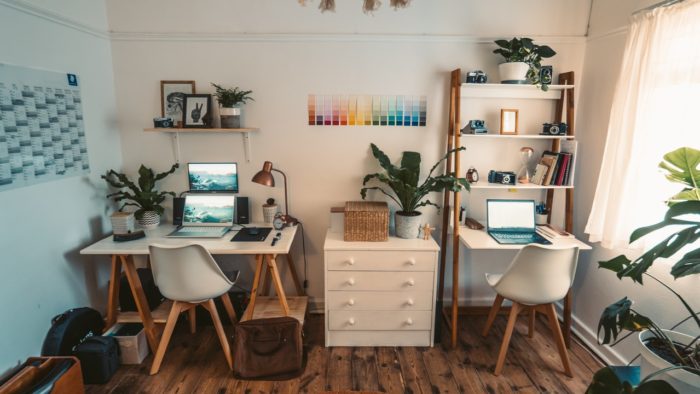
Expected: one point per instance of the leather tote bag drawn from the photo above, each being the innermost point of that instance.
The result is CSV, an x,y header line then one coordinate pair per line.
x,y
268,348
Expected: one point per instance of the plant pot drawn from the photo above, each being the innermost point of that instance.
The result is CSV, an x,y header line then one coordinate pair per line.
x,y
513,72
683,381
269,212
149,220
230,118
407,226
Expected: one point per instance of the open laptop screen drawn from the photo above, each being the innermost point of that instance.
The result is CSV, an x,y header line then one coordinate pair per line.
x,y
213,177
505,215
209,210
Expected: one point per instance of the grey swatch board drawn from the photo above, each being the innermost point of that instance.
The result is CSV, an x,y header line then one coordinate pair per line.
x,y
42,136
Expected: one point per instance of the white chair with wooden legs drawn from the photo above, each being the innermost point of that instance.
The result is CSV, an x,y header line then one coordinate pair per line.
x,y
537,277
189,276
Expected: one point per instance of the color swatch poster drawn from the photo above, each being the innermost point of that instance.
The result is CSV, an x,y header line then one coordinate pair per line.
x,y
365,110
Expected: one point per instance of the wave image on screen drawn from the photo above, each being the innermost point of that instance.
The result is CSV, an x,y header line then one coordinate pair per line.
x,y
208,209
213,177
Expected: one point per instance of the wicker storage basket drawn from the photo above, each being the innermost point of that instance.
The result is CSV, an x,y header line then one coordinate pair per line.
x,y
366,221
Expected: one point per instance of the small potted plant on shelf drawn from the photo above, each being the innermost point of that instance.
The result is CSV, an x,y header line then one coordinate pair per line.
x,y
141,194
230,101
668,354
523,61
407,193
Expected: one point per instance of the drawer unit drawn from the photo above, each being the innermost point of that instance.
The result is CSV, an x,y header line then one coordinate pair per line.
x,y
379,301
369,260
379,281
380,320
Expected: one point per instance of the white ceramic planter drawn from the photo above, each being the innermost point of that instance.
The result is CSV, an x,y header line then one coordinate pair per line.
x,y
230,117
683,381
149,220
407,226
513,73
269,212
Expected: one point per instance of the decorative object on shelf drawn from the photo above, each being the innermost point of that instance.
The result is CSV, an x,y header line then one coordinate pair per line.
x,y
554,128
366,221
140,194
264,177
365,110
477,76
230,101
122,222
368,6
163,123
541,214
427,229
502,177
546,75
526,154
523,61
673,352
197,111
475,126
509,121
270,209
281,221
472,175
410,196
172,98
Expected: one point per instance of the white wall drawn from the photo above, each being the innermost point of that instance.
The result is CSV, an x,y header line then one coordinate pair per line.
x,y
595,289
45,225
410,51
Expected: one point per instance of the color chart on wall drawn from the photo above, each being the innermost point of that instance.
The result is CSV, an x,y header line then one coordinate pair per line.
x,y
366,110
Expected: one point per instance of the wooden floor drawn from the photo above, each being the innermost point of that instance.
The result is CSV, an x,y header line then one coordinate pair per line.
x,y
196,364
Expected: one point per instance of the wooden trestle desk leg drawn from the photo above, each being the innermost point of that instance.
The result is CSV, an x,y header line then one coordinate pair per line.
x,y
141,302
113,296
266,279
295,277
272,263
566,328
256,283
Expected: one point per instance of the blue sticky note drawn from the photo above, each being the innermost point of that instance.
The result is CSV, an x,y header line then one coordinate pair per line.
x,y
72,79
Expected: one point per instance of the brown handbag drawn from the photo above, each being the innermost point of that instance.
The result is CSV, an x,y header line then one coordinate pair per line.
x,y
268,348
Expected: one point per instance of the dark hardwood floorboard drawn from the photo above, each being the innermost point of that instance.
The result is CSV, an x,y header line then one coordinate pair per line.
x,y
195,364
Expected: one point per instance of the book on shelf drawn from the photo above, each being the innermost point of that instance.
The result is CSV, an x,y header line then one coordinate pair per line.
x,y
540,173
552,232
554,169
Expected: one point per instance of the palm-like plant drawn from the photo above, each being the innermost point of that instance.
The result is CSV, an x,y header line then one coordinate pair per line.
x,y
143,196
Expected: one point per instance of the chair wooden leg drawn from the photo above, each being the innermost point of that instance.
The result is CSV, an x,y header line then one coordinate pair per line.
x,y
558,338
226,299
165,338
531,325
514,311
192,317
211,307
492,314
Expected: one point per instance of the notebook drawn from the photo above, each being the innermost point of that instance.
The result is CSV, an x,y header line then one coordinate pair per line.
x,y
206,216
512,222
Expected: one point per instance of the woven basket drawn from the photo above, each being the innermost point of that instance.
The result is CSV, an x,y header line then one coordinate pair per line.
x,y
366,221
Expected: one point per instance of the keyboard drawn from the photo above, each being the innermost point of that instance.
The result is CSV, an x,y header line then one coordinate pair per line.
x,y
518,238
202,229
199,232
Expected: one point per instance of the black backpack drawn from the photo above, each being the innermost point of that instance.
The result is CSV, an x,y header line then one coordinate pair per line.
x,y
69,329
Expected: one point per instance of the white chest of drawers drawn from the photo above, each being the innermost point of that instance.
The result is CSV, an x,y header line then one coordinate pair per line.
x,y
380,293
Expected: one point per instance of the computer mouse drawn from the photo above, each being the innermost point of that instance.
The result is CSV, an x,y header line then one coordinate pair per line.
x,y
252,231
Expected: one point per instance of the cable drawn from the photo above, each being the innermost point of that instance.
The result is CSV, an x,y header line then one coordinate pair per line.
x,y
303,246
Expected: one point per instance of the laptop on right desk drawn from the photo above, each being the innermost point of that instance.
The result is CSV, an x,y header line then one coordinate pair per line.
x,y
512,222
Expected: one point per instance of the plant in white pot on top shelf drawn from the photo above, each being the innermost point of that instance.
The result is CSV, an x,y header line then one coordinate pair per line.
x,y
407,193
230,102
523,61
141,194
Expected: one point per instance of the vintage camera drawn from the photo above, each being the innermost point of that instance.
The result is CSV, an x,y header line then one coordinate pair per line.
x,y
163,122
554,128
477,76
546,75
502,177
475,126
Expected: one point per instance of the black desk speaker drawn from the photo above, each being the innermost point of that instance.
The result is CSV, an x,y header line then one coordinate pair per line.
x,y
242,210
178,210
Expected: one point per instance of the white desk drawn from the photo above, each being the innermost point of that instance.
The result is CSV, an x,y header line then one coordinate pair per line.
x,y
481,240
122,255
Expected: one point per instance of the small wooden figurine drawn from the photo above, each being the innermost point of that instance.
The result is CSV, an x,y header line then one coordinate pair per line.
x,y
427,230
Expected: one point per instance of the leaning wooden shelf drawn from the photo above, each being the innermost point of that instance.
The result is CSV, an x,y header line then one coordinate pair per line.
x,y
177,131
518,136
530,186
497,90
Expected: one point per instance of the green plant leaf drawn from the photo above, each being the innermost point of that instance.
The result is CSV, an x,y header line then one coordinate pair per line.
x,y
410,161
545,51
605,382
689,264
503,43
620,316
681,166
642,231
655,387
683,208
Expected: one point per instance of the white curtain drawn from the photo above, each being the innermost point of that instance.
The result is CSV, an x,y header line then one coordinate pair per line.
x,y
656,109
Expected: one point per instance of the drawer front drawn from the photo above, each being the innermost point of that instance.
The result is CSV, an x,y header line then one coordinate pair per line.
x,y
379,281
387,260
380,320
380,301
379,338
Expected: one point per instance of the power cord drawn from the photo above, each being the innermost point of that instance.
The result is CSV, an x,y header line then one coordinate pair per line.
x,y
303,246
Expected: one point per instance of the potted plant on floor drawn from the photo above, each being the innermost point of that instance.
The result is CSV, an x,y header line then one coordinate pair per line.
x,y
141,195
230,101
667,354
523,61
407,193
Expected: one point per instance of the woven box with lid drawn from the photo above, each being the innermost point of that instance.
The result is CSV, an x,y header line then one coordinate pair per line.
x,y
366,221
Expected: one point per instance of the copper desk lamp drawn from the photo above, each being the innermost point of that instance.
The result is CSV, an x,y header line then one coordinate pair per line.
x,y
265,178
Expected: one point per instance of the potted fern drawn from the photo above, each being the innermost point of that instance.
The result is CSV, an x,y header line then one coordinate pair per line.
x,y
140,194
523,61
230,101
407,193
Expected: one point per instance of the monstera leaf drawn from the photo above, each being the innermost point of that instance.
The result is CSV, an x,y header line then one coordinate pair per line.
x,y
605,381
620,316
681,166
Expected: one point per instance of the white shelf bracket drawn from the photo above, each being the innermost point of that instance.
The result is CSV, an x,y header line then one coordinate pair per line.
x,y
176,147
246,146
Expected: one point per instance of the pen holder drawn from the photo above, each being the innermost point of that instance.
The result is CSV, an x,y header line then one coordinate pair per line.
x,y
269,212
541,218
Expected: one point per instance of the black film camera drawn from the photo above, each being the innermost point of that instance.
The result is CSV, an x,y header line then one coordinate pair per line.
x,y
502,177
554,129
477,76
163,122
546,75
475,126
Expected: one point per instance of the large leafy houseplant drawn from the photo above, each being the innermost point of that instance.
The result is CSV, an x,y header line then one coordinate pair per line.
x,y
524,50
681,166
140,194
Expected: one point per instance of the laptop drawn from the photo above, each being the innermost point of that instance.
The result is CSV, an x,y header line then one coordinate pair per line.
x,y
512,222
206,216
212,177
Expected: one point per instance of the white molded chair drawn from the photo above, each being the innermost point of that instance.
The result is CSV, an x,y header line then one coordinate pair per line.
x,y
537,277
189,276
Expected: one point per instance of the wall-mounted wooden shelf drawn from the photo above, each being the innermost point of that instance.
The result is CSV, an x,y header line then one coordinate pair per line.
x,y
497,90
176,136
522,186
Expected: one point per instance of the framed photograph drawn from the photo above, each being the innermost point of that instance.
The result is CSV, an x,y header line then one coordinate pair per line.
x,y
509,121
197,110
172,98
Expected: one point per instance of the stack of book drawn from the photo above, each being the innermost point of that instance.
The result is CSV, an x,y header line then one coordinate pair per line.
x,y
552,232
122,222
553,169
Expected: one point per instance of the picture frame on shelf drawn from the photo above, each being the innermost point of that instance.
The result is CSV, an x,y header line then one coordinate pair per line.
x,y
172,98
197,111
509,121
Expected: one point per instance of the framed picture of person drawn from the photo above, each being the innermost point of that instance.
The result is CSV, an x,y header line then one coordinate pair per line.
x,y
172,98
197,111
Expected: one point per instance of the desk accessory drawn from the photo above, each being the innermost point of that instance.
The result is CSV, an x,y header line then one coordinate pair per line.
x,y
526,154
245,236
122,222
129,237
242,210
472,175
178,210
281,221
264,177
473,224
270,209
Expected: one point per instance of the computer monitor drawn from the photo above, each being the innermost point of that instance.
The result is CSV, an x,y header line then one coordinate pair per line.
x,y
504,215
209,210
213,177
